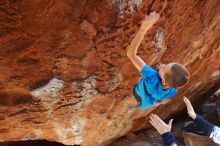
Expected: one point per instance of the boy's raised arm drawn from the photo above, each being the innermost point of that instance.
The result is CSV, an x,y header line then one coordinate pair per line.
x,y
132,48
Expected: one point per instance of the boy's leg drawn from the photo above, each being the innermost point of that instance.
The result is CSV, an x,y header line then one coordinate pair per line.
x,y
136,97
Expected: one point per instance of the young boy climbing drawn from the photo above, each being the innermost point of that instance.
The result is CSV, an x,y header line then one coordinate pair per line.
x,y
154,85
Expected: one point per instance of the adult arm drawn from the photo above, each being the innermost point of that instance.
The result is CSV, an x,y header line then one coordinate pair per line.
x,y
206,126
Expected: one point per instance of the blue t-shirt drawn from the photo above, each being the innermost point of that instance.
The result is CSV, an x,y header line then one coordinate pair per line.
x,y
149,88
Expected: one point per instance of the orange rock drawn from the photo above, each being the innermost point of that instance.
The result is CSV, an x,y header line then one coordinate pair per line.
x,y
88,28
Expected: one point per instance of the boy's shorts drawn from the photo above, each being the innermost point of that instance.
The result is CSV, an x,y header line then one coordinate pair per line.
x,y
137,97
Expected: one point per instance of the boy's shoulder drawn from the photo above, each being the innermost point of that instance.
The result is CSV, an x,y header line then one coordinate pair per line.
x,y
148,71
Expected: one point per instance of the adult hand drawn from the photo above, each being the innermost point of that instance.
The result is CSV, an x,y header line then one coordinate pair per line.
x,y
150,20
190,109
160,125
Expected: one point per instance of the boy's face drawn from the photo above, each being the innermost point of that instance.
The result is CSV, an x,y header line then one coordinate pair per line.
x,y
164,68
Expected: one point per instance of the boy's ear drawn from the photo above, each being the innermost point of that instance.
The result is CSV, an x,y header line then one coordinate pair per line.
x,y
164,82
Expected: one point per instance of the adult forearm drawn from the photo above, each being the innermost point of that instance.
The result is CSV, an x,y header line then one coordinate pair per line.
x,y
169,139
204,125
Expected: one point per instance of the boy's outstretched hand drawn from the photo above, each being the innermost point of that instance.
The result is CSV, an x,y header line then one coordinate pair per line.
x,y
190,109
150,20
160,125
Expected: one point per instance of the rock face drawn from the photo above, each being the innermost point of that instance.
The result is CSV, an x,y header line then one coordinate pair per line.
x,y
65,76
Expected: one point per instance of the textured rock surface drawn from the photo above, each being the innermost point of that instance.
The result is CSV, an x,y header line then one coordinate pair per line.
x,y
65,76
